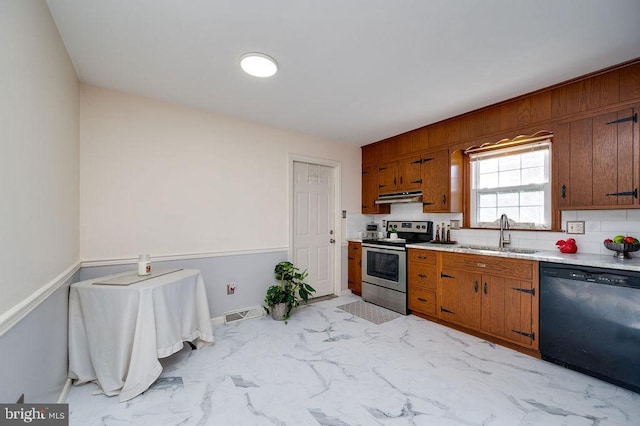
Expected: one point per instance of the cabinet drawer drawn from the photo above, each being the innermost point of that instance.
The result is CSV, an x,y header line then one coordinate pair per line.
x,y
423,275
501,266
422,256
422,300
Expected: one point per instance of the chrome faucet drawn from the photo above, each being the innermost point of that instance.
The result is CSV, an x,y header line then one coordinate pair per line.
x,y
504,225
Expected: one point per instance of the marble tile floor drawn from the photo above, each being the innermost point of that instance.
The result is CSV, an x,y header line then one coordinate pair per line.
x,y
328,367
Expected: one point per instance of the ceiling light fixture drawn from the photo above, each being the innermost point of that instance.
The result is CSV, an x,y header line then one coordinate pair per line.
x,y
258,64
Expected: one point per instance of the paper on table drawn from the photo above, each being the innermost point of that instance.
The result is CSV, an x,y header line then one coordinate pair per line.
x,y
129,278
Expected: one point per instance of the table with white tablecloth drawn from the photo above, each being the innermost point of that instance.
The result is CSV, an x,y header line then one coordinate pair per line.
x,y
118,332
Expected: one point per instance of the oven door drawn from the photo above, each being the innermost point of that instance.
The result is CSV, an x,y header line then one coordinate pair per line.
x,y
385,266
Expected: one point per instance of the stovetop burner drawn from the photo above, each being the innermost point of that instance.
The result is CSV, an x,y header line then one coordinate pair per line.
x,y
409,232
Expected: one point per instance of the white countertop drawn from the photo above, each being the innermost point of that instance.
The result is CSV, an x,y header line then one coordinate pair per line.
x,y
586,259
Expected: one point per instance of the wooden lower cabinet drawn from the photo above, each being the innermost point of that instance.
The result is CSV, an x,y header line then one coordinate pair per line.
x,y
491,296
354,267
422,281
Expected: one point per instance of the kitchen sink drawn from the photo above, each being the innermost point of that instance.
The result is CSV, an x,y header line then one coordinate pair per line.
x,y
500,249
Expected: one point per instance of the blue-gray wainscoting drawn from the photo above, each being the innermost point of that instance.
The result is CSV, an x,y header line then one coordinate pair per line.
x,y
34,351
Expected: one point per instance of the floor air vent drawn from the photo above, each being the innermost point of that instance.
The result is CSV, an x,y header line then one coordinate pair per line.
x,y
243,314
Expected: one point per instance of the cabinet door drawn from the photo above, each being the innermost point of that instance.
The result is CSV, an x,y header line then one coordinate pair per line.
x,y
520,304
388,177
614,169
597,161
409,172
435,181
507,307
370,192
460,297
493,304
354,267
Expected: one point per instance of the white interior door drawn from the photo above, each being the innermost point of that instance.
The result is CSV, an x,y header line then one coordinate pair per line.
x,y
313,225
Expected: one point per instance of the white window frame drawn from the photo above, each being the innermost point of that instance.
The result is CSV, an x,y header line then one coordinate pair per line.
x,y
544,186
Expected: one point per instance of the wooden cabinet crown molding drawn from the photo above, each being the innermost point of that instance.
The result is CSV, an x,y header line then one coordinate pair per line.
x,y
613,87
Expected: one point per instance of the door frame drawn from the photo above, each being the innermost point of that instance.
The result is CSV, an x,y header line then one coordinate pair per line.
x,y
337,214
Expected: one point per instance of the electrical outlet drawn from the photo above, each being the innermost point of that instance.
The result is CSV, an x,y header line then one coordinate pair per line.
x,y
575,227
231,288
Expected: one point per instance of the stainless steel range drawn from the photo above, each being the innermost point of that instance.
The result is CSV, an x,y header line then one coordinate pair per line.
x,y
384,264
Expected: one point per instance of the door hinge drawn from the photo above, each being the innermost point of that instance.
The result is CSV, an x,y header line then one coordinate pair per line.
x,y
443,275
633,118
532,336
531,291
446,310
417,161
424,160
633,193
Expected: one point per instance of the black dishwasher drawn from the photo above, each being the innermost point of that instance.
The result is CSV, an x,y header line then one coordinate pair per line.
x,y
590,321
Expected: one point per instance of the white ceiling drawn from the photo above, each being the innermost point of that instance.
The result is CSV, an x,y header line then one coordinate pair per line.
x,y
354,71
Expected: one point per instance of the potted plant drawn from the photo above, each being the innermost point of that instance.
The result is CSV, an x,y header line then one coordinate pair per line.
x,y
283,297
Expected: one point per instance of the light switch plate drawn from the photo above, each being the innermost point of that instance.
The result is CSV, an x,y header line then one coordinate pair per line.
x,y
575,227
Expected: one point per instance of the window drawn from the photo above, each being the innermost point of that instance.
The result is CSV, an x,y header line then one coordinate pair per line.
x,y
514,181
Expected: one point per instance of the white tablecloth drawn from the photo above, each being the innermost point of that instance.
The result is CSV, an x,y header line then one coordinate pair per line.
x,y
117,333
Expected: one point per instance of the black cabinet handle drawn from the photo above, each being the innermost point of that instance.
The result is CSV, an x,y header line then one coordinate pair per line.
x,y
485,288
444,199
446,310
422,275
394,181
564,192
422,299
475,286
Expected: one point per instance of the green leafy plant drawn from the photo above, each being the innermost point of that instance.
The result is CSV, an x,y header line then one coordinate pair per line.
x,y
291,290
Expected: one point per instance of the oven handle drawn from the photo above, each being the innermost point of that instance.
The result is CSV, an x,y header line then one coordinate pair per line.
x,y
383,248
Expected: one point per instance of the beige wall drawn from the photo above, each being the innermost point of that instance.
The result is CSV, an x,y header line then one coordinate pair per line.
x,y
39,152
169,180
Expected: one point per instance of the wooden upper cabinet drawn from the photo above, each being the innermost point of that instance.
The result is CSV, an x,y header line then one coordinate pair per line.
x,y
597,161
401,175
442,181
370,192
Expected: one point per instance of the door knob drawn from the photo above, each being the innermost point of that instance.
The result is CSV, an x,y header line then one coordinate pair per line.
x,y
332,241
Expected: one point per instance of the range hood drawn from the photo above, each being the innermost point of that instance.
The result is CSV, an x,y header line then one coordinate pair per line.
x,y
400,197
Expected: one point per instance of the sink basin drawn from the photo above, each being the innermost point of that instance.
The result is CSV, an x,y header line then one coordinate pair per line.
x,y
500,249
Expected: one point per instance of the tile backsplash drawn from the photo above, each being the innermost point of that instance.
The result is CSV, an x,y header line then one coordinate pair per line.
x,y
599,224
